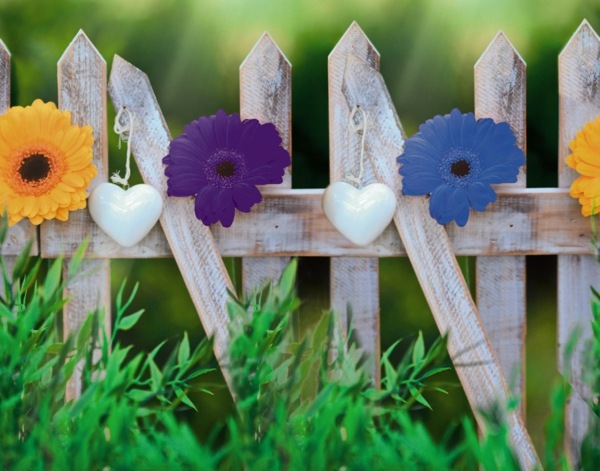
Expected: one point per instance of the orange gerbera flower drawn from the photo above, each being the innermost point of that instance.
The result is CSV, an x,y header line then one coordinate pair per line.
x,y
45,163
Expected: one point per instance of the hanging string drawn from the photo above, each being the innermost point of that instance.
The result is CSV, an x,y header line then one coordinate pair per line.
x,y
357,128
124,131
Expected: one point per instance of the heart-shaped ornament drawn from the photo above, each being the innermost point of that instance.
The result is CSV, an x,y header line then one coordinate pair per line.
x,y
360,215
125,215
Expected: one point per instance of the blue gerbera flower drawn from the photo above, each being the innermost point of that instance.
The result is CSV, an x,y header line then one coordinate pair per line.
x,y
455,159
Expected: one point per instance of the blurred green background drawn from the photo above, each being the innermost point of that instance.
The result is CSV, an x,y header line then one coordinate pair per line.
x,y
191,51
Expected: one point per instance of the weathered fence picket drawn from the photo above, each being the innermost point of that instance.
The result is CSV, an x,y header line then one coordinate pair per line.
x,y
500,95
266,95
579,102
354,283
82,91
290,222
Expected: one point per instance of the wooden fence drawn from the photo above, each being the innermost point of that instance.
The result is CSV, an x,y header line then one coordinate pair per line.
x,y
486,342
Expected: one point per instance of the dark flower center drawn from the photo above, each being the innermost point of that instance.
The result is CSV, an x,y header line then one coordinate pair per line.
x,y
34,168
460,168
225,169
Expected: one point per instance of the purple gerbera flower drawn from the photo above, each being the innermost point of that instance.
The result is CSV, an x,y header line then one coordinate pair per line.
x,y
220,160
455,159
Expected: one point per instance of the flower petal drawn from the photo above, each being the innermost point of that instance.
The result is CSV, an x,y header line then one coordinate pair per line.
x,y
203,206
480,195
421,183
200,132
449,203
263,148
245,197
227,215
220,128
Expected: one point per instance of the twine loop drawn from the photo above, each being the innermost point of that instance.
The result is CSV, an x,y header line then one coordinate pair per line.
x,y
124,130
357,128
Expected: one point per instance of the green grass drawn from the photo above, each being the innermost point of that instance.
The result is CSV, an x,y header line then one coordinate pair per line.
x,y
301,402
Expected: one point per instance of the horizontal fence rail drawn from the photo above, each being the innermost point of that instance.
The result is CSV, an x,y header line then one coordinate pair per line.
x,y
533,221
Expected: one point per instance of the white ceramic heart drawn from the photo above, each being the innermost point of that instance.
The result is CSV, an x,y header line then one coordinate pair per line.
x,y
125,215
360,215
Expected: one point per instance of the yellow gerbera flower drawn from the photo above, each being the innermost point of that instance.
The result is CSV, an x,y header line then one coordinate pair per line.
x,y
45,163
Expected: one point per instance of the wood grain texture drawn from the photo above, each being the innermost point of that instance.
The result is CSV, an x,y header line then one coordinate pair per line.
x,y
354,282
20,233
534,221
361,315
89,292
579,423
82,91
431,255
576,273
500,95
266,95
579,102
192,243
56,243
501,305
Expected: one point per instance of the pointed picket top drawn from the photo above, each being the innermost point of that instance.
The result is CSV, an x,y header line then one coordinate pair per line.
x,y
581,38
435,265
82,90
192,243
500,88
265,46
82,59
80,44
498,45
343,157
356,39
266,91
4,78
579,91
